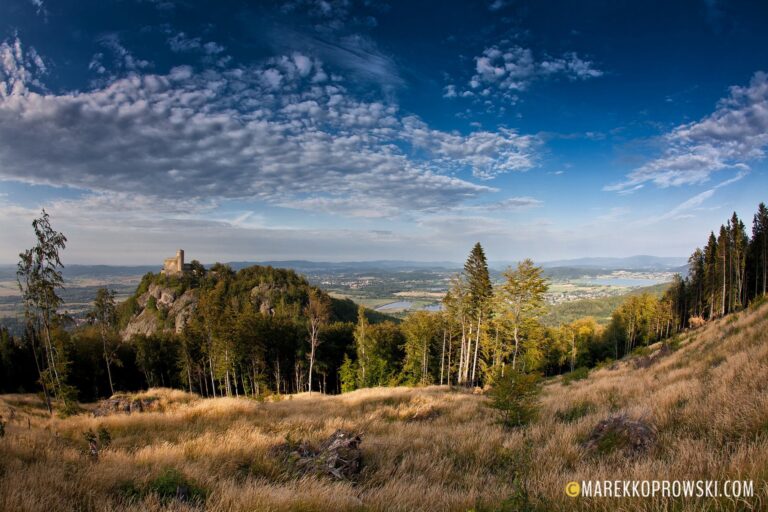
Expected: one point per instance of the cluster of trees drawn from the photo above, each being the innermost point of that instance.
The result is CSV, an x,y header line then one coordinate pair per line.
x,y
266,330
728,273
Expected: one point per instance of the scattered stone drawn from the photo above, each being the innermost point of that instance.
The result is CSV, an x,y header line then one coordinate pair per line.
x,y
123,405
337,457
619,432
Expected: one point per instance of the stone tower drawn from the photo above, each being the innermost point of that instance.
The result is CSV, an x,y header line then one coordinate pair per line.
x,y
174,266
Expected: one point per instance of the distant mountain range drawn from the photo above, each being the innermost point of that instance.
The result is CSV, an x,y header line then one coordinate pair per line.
x,y
640,262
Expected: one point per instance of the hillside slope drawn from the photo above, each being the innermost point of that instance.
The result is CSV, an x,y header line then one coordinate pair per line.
x,y
600,309
705,397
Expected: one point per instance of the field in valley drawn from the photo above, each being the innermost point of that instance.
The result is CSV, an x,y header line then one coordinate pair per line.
x,y
422,448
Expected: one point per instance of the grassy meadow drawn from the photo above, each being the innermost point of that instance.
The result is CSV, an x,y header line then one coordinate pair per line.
x,y
430,449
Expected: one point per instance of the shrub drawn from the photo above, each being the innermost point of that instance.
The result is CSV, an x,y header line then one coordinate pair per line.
x,y
172,484
696,321
515,397
576,411
579,373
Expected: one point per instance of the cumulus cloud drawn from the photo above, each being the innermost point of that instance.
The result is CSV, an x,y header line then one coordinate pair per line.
x,y
487,154
281,133
735,134
505,70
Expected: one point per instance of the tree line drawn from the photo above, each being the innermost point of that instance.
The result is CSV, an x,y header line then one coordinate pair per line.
x,y
263,330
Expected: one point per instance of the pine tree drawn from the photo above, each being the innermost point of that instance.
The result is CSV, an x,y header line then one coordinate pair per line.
x,y
722,253
710,274
480,290
759,250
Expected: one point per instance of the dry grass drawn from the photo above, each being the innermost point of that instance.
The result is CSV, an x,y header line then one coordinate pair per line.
x,y
423,449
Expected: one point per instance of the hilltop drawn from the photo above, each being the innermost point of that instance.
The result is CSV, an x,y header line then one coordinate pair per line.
x,y
702,394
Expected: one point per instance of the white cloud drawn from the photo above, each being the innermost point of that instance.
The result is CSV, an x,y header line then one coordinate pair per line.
x,y
488,154
505,70
180,42
276,133
729,138
682,210
510,204
19,68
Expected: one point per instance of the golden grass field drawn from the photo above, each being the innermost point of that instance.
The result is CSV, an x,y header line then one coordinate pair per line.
x,y
422,448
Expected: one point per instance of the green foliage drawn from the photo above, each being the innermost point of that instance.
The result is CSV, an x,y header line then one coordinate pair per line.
x,y
515,397
104,437
172,483
600,308
348,375
422,331
580,373
575,412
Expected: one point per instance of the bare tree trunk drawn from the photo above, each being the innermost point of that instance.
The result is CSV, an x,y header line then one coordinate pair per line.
x,y
517,345
213,381
40,375
477,346
442,358
450,344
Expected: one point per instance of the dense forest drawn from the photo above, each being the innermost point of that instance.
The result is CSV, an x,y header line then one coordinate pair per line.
x,y
264,330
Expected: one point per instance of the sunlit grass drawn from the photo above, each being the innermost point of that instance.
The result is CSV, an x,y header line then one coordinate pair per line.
x,y
423,449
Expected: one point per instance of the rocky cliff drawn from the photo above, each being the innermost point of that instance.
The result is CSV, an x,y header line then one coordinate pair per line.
x,y
161,309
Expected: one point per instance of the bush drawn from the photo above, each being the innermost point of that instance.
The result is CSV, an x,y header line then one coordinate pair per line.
x,y
579,373
172,484
515,397
575,412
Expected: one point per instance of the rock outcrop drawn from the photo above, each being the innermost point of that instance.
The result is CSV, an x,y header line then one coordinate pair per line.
x,y
166,312
123,405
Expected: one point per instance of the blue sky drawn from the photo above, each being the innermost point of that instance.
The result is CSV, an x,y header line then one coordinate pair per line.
x,y
354,130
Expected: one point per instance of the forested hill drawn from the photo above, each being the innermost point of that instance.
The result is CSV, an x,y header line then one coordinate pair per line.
x,y
265,289
217,329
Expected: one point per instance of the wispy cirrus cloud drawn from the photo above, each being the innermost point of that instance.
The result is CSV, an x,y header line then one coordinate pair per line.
x,y
734,135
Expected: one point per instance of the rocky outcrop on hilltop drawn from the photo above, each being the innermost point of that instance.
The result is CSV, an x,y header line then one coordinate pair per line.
x,y
161,309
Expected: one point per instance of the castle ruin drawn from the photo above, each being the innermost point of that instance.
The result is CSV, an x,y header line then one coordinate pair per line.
x,y
175,266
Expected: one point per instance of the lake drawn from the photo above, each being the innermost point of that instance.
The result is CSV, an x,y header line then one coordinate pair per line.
x,y
402,304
